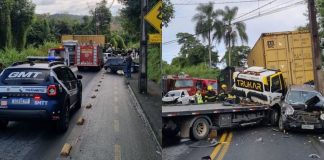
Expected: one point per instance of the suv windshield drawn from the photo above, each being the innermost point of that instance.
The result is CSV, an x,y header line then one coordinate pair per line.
x,y
300,97
24,76
183,83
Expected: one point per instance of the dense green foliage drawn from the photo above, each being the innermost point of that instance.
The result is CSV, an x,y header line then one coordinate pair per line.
x,y
154,63
238,57
201,70
15,20
9,56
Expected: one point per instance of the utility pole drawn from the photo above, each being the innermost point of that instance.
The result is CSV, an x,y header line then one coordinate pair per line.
x,y
317,64
142,83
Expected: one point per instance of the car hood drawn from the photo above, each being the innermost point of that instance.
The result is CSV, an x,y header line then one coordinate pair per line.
x,y
169,99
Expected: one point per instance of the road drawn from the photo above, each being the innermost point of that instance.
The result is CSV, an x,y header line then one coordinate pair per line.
x,y
252,143
112,128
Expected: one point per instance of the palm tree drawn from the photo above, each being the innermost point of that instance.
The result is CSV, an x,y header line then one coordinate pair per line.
x,y
204,23
228,31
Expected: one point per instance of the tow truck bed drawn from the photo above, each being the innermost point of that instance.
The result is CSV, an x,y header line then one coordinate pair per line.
x,y
211,108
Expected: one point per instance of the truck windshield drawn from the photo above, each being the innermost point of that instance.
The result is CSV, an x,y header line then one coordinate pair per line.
x,y
183,83
300,97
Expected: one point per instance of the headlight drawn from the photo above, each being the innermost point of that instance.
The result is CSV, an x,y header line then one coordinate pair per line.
x,y
289,110
322,116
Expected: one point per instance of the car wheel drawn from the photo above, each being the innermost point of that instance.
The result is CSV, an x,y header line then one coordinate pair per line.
x,y
200,129
63,123
3,124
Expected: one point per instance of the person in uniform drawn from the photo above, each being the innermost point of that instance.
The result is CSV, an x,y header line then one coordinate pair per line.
x,y
210,95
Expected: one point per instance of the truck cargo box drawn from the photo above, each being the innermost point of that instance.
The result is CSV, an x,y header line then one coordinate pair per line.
x,y
97,39
291,52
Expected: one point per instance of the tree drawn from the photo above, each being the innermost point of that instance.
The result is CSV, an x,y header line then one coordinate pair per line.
x,y
205,18
40,31
22,14
238,57
102,17
5,24
168,12
229,31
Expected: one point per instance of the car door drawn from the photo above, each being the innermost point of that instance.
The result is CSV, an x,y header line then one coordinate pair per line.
x,y
63,76
73,82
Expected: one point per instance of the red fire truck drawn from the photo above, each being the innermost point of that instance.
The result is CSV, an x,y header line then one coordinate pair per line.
x,y
190,84
89,56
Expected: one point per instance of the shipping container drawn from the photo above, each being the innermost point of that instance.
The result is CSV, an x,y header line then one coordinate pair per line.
x,y
291,52
95,39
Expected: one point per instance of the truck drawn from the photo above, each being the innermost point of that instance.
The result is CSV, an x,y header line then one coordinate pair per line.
x,y
260,91
98,39
290,52
70,46
89,56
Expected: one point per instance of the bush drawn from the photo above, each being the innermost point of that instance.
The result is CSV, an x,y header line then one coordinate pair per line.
x,y
200,70
154,64
9,56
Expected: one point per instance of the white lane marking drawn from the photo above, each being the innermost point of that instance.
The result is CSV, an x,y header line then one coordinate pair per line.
x,y
116,109
117,152
116,125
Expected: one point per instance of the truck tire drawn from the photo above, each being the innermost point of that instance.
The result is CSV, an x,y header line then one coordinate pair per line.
x,y
200,129
3,124
63,123
280,124
274,117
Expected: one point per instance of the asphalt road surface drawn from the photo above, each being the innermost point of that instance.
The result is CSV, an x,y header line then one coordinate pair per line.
x,y
112,128
253,143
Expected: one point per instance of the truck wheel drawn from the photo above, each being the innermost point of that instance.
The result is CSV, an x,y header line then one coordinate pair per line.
x,y
274,116
63,123
3,124
280,124
200,129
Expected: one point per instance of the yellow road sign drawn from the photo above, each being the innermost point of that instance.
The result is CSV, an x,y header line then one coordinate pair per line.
x,y
154,17
155,38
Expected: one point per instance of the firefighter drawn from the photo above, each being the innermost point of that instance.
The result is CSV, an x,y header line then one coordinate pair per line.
x,y
198,97
210,95
226,96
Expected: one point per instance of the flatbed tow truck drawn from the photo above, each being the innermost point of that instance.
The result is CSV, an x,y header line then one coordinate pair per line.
x,y
260,91
196,120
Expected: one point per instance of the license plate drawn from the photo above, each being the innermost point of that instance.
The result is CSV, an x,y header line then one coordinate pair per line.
x,y
304,126
20,101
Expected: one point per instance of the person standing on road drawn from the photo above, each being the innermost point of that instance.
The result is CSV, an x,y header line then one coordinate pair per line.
x,y
128,65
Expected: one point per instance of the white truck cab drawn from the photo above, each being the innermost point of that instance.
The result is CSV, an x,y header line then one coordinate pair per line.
x,y
260,85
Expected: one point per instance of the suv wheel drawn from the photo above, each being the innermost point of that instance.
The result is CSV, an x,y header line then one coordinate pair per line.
x,y
280,124
63,123
79,102
132,70
109,70
274,114
3,124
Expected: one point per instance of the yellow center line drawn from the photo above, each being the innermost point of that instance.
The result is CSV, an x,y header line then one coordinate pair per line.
x,y
226,146
218,147
116,125
117,152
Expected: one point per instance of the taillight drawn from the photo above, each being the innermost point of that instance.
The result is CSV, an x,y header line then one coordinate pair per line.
x,y
37,97
51,90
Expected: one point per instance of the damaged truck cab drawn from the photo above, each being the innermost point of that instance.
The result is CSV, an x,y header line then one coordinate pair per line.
x,y
263,86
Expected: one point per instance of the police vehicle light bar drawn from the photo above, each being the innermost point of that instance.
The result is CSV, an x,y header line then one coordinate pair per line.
x,y
49,58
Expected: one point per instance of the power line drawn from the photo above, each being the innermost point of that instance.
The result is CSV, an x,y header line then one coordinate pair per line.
x,y
229,2
255,9
253,17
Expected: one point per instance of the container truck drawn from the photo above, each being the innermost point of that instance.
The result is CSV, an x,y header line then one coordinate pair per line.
x,y
290,52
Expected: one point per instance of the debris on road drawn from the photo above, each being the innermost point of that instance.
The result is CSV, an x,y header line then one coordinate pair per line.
x,y
206,158
66,150
213,143
274,129
96,90
80,121
93,96
98,85
314,156
88,106
100,81
285,136
213,134
259,139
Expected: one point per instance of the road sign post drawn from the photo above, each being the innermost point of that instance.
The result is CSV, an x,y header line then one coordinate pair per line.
x,y
142,83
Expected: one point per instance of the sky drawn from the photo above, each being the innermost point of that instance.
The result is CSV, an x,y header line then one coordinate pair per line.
x,y
286,20
76,7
